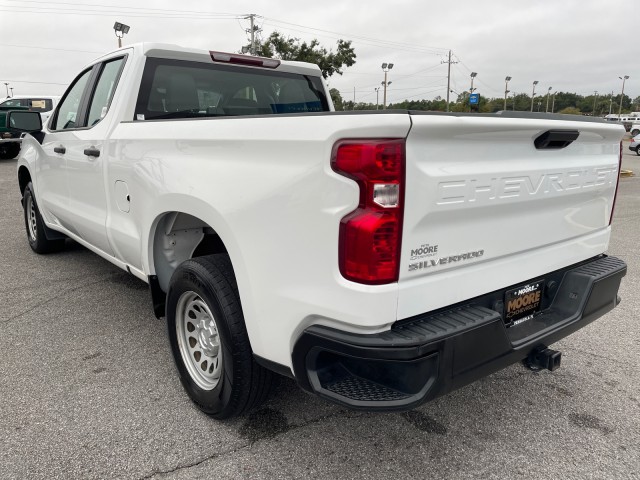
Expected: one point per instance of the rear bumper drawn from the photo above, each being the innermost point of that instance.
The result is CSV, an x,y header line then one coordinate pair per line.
x,y
429,355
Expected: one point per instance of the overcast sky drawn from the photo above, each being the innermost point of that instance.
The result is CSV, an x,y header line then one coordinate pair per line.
x,y
570,45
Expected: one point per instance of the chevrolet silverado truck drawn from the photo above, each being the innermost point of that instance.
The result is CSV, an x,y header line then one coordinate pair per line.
x,y
381,259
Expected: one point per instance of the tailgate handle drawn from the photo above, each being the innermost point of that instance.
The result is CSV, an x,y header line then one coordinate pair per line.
x,y
555,139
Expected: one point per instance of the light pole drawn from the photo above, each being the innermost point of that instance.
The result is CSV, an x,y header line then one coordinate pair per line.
x,y
11,88
385,68
377,89
514,100
506,91
539,103
546,110
626,77
553,102
593,114
121,29
610,102
533,93
6,84
473,75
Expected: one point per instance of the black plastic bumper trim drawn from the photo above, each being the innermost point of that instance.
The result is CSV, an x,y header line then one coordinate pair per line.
x,y
429,355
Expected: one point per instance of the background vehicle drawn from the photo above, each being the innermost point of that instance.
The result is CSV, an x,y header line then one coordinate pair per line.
x,y
634,146
368,255
43,104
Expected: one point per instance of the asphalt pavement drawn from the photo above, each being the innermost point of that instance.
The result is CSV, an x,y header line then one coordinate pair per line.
x,y
88,390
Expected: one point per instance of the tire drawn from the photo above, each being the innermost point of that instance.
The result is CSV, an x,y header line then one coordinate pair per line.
x,y
209,340
638,150
36,229
9,150
635,132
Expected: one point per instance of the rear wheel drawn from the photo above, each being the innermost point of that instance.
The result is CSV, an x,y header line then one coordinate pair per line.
x,y
209,339
36,229
638,150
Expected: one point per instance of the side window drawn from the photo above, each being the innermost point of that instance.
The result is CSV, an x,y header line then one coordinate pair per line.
x,y
104,91
68,111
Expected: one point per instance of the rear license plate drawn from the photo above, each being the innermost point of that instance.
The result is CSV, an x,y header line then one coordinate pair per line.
x,y
522,302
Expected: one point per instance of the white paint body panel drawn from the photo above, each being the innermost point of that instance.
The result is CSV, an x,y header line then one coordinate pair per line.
x,y
265,185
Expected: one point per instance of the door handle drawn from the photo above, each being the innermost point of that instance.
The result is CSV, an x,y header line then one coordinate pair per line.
x,y
92,152
59,149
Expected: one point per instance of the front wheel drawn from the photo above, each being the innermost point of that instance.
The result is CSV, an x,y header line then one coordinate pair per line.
x,y
9,150
209,340
638,150
36,229
635,132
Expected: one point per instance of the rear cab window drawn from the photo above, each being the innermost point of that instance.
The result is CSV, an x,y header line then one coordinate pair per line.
x,y
187,89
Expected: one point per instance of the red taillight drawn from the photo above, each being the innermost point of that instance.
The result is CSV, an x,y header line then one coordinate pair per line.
x,y
615,195
370,236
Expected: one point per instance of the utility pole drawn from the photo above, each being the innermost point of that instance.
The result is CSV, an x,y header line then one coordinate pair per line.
x,y
593,114
448,62
252,32
533,94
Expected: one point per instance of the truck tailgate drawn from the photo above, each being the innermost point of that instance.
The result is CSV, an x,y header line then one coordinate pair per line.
x,y
485,208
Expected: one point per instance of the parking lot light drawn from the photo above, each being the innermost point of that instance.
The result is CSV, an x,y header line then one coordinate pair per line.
x,y
626,77
533,94
121,29
506,91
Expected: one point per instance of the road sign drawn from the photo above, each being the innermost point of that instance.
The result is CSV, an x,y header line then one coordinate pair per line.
x,y
474,99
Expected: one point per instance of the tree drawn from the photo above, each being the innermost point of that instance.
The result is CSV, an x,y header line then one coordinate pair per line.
x,y
571,111
337,99
288,48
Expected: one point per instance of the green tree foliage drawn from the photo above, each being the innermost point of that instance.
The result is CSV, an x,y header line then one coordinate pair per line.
x,y
570,111
337,99
288,48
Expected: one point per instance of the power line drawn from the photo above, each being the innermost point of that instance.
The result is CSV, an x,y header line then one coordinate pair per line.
x,y
42,83
37,47
145,9
372,41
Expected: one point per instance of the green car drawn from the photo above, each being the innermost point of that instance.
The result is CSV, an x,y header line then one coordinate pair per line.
x,y
9,141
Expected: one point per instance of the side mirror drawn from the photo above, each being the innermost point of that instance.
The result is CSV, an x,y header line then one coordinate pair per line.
x,y
19,121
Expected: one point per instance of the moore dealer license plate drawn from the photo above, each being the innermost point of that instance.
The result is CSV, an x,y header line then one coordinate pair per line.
x,y
522,302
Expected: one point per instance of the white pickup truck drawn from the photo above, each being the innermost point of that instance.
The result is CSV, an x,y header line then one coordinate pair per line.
x,y
381,259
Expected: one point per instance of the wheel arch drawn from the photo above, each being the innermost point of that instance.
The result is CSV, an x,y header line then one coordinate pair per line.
x,y
24,177
179,235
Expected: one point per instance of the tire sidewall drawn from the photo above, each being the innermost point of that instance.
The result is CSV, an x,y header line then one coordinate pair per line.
x,y
191,276
34,244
